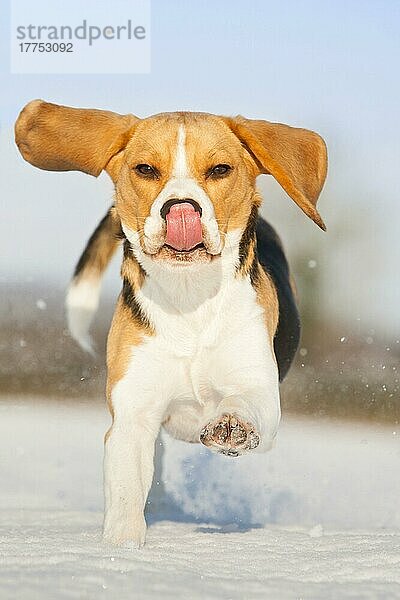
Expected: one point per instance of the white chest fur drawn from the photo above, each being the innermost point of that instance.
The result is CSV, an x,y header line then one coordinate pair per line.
x,y
211,352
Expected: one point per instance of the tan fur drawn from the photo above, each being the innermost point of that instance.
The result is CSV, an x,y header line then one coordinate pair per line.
x,y
296,158
59,138
266,292
267,297
249,260
125,334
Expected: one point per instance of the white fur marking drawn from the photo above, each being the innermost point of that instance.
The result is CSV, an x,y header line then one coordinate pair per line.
x,y
81,305
180,170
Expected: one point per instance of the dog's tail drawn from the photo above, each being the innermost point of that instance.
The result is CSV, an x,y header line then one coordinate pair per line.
x,y
84,291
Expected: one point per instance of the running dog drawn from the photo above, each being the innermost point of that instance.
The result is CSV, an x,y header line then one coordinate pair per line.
x,y
206,325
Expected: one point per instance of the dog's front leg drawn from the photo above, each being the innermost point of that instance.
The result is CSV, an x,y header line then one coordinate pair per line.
x,y
128,473
243,423
247,417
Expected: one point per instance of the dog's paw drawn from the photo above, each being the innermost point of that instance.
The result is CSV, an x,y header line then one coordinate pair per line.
x,y
230,435
125,535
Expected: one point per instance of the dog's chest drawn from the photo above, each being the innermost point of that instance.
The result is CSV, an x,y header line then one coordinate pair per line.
x,y
196,352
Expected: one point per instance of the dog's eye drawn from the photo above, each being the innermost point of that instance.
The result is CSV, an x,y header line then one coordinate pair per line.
x,y
219,171
146,171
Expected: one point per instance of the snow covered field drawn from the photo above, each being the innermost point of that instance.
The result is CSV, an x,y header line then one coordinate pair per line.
x,y
318,517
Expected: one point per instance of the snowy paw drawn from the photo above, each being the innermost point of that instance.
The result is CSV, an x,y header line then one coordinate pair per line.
x,y
126,535
229,435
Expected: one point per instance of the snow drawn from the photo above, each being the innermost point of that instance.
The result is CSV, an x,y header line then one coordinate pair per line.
x,y
318,517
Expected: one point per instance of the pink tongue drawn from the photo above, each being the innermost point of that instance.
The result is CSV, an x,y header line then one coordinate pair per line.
x,y
183,227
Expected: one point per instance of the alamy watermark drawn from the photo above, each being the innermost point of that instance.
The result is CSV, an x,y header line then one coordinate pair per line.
x,y
55,38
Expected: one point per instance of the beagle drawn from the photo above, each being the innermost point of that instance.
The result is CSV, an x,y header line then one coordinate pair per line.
x,y
206,324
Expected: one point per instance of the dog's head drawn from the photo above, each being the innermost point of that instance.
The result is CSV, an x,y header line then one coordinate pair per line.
x,y
183,181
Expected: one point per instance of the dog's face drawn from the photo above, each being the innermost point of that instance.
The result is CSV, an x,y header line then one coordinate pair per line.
x,y
183,181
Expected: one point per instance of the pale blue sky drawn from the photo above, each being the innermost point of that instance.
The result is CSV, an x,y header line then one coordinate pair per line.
x,y
329,66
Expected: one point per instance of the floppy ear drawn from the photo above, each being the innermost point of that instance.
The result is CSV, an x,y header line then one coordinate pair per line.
x,y
59,138
296,158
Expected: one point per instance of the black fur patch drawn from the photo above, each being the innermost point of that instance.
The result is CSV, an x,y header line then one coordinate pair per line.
x,y
273,260
105,224
127,253
247,237
86,254
129,299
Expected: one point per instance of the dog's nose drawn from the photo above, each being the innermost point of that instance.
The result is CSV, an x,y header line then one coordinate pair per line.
x,y
166,207
183,224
